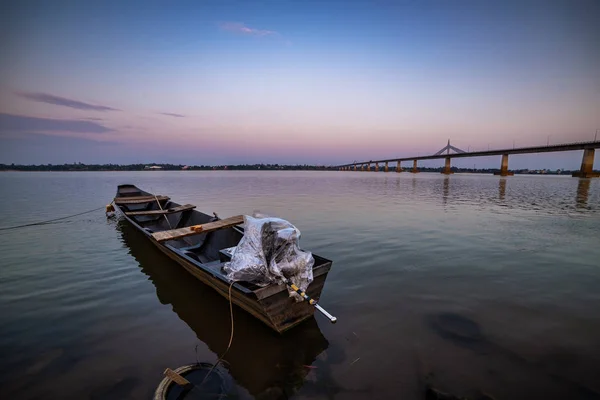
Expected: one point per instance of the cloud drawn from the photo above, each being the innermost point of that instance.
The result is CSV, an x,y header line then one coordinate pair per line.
x,y
237,27
93,119
62,101
10,123
35,148
172,114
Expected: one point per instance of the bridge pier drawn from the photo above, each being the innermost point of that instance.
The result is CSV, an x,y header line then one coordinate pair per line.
x,y
447,168
362,167
369,167
398,166
354,167
414,170
376,167
504,167
386,167
587,165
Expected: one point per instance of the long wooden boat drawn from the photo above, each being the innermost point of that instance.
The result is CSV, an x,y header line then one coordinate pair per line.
x,y
260,359
202,243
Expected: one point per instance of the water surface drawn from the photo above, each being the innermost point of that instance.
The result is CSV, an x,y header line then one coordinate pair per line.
x,y
470,283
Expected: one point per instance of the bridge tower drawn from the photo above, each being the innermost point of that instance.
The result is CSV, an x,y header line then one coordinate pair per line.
x,y
447,167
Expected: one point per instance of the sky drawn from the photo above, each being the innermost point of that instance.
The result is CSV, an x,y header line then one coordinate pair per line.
x,y
295,82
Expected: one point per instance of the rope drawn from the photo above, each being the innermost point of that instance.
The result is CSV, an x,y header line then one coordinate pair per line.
x,y
161,209
164,215
230,338
50,220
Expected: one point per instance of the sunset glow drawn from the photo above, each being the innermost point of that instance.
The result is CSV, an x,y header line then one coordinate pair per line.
x,y
304,82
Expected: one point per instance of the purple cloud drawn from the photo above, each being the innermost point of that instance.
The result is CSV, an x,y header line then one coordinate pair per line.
x,y
93,119
172,114
237,27
35,148
10,123
62,101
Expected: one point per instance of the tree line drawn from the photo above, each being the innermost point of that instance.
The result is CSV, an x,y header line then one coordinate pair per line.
x,y
239,167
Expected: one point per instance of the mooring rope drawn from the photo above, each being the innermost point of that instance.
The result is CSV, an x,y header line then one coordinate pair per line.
x,y
230,338
50,220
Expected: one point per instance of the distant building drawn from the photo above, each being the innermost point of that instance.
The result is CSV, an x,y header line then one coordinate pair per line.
x,y
186,167
153,168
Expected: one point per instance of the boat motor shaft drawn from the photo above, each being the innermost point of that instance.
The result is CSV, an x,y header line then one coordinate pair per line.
x,y
310,301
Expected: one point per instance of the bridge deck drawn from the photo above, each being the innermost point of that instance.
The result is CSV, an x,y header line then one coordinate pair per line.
x,y
522,150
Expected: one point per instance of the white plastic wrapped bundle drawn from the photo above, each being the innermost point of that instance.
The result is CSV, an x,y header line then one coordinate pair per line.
x,y
269,252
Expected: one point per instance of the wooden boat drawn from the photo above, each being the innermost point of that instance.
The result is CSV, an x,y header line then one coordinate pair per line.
x,y
202,243
260,359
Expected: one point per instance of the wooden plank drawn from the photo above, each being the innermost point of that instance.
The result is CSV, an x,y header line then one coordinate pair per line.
x,y
197,229
175,377
139,199
161,212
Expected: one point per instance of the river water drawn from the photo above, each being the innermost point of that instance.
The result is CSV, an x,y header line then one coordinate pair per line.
x,y
470,283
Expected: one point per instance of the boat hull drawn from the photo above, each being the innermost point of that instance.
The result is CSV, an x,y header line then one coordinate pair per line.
x,y
272,305
278,311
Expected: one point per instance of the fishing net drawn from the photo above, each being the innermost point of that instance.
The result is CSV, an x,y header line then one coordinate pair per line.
x,y
268,252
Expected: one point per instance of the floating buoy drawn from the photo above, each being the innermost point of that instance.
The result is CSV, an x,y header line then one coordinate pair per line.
x,y
110,210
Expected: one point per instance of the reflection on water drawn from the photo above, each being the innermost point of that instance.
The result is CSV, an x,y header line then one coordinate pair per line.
x,y
507,267
259,359
583,192
446,189
467,334
502,189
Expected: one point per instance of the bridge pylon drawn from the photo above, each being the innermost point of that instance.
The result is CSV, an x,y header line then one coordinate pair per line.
x,y
447,167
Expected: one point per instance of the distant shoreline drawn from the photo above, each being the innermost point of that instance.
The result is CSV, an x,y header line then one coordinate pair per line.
x,y
258,167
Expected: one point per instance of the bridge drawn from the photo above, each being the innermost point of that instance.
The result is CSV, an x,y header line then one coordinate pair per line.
x,y
586,170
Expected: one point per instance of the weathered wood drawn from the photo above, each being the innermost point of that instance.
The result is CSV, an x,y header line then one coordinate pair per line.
x,y
197,229
175,377
271,305
139,199
247,302
270,290
259,309
185,207
285,312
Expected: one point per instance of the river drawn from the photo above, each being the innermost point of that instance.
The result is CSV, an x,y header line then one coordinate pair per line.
x,y
469,283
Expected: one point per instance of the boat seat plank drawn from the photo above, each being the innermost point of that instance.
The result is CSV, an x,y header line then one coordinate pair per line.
x,y
139,199
197,229
173,210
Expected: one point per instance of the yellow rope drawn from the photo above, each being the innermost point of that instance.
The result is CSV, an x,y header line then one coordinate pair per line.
x,y
164,215
230,338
